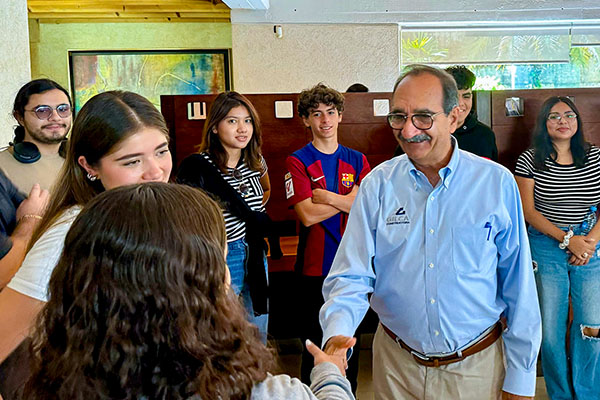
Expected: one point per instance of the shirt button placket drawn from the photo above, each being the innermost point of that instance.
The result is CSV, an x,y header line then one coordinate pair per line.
x,y
431,235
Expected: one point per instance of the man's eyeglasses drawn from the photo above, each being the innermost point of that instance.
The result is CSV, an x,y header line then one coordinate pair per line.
x,y
243,188
420,121
45,112
568,116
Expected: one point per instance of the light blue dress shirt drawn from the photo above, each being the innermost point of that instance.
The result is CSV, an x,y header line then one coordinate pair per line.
x,y
442,263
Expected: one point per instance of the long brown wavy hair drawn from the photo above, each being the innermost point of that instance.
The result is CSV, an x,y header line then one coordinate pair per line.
x,y
211,144
139,306
102,123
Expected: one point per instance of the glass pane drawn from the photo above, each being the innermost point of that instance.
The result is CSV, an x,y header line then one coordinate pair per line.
x,y
498,46
583,70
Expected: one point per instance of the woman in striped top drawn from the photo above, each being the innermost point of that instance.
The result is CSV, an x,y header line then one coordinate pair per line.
x,y
559,182
231,143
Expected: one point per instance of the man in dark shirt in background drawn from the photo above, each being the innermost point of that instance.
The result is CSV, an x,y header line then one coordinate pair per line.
x,y
472,135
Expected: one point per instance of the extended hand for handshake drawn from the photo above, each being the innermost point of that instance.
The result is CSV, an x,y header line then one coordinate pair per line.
x,y
335,351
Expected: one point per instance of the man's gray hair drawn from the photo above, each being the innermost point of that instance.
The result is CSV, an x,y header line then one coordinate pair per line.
x,y
449,89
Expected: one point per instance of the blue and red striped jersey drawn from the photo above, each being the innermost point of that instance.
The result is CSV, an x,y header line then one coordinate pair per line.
x,y
310,169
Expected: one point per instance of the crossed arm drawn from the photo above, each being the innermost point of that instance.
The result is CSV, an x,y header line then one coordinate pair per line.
x,y
323,204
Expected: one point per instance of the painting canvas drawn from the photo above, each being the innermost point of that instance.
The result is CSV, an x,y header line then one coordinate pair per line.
x,y
149,73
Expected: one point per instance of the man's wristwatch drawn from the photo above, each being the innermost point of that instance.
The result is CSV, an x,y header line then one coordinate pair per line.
x,y
566,238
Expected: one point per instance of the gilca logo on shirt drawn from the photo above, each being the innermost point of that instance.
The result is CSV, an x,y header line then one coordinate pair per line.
x,y
399,217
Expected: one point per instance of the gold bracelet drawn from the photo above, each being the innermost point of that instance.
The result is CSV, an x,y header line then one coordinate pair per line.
x,y
32,216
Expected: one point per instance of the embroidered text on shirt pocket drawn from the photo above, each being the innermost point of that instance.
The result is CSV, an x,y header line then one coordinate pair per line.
x,y
472,251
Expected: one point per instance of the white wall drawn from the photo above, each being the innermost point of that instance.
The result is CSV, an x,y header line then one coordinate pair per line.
x,y
338,55
342,42
404,11
14,61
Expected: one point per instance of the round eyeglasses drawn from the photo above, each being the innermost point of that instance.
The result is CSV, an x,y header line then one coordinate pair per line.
x,y
243,187
45,112
421,121
568,116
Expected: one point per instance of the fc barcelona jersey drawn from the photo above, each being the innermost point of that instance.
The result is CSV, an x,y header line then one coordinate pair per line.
x,y
309,169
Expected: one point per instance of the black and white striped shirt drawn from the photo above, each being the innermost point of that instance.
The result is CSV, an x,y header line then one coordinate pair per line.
x,y
563,193
235,227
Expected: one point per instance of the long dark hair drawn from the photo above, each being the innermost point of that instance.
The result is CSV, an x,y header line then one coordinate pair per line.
x,y
35,86
101,124
542,143
139,307
210,140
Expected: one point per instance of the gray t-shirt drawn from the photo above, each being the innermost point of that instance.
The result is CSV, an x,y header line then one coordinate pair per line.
x,y
327,383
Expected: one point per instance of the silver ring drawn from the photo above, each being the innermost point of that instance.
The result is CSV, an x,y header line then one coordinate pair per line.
x,y
585,255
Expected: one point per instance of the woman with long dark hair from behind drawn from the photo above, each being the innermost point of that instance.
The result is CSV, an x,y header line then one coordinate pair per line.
x,y
141,308
230,167
118,138
559,182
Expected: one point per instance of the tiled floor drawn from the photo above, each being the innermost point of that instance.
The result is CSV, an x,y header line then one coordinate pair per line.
x,y
289,360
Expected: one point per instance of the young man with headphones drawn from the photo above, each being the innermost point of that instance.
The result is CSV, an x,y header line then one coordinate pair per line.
x,y
43,111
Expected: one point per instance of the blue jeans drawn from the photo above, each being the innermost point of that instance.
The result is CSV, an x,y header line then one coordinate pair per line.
x,y
237,256
573,374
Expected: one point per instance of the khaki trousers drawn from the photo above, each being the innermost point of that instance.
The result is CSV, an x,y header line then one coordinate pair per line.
x,y
397,376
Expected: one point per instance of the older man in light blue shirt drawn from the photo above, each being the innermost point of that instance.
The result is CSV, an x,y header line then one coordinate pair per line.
x,y
438,237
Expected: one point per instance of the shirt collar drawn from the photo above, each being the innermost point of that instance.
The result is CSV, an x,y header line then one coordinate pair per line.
x,y
447,172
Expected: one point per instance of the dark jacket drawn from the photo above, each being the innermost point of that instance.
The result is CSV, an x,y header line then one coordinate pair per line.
x,y
477,138
196,171
10,199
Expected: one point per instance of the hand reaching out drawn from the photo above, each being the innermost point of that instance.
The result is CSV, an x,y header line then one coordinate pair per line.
x,y
335,351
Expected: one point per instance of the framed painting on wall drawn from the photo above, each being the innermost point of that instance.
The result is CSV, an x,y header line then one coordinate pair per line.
x,y
149,73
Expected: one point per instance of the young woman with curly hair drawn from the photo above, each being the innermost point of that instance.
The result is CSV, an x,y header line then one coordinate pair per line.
x,y
141,308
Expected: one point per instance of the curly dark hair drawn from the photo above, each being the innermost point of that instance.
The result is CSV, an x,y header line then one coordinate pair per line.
x,y
542,143
211,144
139,306
465,79
310,99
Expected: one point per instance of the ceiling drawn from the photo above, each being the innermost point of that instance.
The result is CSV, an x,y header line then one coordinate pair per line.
x,y
60,11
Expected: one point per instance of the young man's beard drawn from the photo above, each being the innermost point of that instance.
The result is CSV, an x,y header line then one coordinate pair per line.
x,y
38,136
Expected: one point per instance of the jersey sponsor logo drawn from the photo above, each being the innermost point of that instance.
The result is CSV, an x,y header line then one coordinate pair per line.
x,y
317,179
289,186
347,179
398,218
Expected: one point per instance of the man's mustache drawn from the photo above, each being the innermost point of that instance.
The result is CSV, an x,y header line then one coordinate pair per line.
x,y
421,137
47,125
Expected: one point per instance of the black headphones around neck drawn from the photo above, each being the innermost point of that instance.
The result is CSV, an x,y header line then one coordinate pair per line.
x,y
26,152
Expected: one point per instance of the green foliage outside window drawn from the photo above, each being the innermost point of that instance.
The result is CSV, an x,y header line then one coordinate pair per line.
x,y
449,48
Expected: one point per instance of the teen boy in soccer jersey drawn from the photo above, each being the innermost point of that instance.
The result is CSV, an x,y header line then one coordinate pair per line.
x,y
321,183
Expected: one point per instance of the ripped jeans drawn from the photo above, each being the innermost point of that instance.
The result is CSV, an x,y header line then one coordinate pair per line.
x,y
574,374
